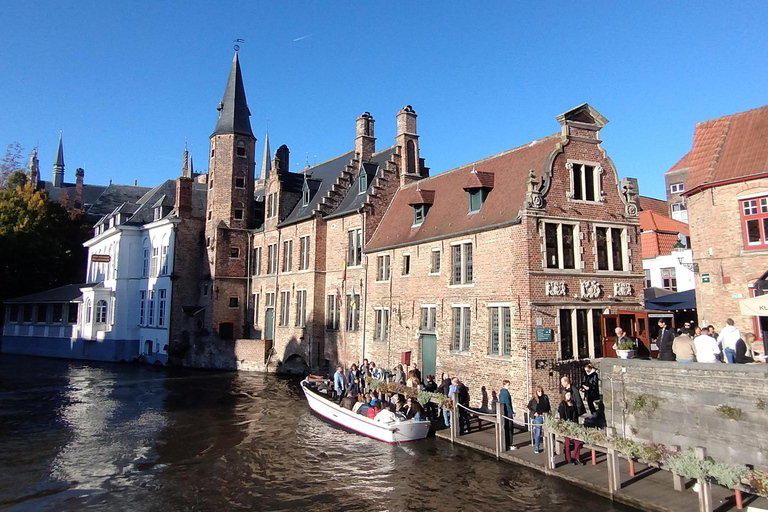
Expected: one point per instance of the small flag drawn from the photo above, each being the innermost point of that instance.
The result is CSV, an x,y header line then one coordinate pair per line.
x,y
352,301
338,295
344,271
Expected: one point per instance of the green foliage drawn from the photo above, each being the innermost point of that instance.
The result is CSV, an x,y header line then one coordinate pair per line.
x,y
40,244
426,396
760,404
16,179
625,345
728,412
645,403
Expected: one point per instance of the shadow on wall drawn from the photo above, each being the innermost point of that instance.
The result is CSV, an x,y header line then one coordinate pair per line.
x,y
295,357
202,350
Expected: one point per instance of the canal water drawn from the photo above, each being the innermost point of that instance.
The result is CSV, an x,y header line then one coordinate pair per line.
x,y
76,436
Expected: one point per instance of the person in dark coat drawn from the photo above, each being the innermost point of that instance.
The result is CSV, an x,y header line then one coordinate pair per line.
x,y
569,412
445,389
743,351
591,387
505,402
565,385
664,342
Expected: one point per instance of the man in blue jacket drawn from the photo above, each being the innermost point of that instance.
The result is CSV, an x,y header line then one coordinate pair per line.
x,y
505,402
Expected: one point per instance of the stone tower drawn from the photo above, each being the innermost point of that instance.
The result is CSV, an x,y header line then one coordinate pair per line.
x,y
229,214
33,169
57,177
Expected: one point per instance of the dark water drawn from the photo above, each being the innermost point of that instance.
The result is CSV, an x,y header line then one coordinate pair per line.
x,y
77,436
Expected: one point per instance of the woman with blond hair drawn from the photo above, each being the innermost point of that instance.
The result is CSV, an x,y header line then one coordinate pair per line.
x,y
538,406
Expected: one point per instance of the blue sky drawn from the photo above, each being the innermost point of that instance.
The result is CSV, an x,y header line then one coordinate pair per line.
x,y
128,81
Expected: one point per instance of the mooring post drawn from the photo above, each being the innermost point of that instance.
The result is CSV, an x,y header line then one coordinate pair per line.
x,y
614,472
677,480
501,432
705,488
737,495
455,424
549,446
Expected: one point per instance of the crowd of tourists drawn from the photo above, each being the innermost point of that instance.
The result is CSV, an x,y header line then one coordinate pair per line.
x,y
700,344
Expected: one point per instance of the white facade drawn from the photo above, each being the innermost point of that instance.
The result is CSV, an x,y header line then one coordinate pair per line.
x,y
131,297
663,268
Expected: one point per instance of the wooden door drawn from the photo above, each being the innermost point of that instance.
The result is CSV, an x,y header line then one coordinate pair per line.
x,y
428,354
610,322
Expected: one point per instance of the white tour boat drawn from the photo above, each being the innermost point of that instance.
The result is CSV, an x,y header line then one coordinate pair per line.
x,y
396,431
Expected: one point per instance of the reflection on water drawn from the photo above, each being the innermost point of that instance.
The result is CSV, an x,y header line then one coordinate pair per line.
x,y
120,437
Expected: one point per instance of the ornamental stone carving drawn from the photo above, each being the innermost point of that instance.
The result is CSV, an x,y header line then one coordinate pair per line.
x,y
590,289
622,289
555,288
533,199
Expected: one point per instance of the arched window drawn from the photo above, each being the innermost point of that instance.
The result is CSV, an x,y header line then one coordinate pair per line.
x,y
145,258
88,311
410,157
154,263
101,312
241,148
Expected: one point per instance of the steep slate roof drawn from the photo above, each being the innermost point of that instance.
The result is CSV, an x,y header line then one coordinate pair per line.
x,y
353,199
448,214
66,293
655,205
728,147
233,108
91,193
659,233
113,196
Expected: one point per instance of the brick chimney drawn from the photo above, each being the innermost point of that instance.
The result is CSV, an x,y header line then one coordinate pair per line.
x,y
183,203
79,175
365,142
407,142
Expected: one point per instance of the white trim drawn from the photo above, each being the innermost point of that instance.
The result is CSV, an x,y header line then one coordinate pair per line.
x,y
461,305
460,242
753,196
425,306
500,305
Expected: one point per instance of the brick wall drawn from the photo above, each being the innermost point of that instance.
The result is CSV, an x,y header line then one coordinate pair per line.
x,y
718,248
688,396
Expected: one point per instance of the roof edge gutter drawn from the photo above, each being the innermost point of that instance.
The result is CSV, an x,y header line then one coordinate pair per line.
x,y
516,220
727,181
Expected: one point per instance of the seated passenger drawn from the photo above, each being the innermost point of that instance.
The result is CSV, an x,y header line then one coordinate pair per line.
x,y
413,410
386,415
348,402
373,409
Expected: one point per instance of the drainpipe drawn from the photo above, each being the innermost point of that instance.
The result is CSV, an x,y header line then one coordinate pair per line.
x,y
364,292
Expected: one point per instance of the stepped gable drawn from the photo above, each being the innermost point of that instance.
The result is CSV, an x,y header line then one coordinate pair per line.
x,y
353,200
325,175
505,172
728,147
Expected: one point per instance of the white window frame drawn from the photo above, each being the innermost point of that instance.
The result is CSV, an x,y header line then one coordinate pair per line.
x,y
406,270
272,259
435,269
162,298
285,307
465,326
676,188
625,251
500,308
287,256
577,263
304,253
301,308
355,247
333,318
428,313
596,181
383,269
381,323
465,278
256,261
591,341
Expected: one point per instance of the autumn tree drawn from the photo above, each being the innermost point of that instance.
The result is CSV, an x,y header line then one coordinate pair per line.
x,y
40,242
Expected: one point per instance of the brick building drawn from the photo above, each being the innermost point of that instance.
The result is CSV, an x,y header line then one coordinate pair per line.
x,y
728,180
675,179
508,265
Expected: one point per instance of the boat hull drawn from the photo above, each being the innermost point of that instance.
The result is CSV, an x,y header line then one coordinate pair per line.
x,y
396,432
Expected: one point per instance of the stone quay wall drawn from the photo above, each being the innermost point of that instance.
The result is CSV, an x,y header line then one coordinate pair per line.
x,y
722,407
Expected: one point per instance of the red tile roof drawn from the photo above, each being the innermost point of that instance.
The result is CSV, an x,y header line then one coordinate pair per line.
x,y
655,205
728,147
448,214
423,197
659,233
479,179
682,163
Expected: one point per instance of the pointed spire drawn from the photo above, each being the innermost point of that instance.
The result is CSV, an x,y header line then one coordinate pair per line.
x,y
33,169
266,162
58,165
185,161
233,107
191,167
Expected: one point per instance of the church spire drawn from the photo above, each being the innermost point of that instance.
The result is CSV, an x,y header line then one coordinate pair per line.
x,y
266,162
33,169
58,166
233,107
185,173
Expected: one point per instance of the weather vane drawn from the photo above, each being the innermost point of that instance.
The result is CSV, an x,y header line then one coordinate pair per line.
x,y
237,46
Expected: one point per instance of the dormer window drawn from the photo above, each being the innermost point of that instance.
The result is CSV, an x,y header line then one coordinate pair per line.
x,y
478,185
241,149
158,213
362,181
419,212
425,199
305,194
476,198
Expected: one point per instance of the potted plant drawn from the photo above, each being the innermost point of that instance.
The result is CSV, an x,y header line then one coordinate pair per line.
x,y
625,349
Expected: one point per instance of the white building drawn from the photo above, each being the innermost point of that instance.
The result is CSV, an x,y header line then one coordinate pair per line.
x,y
667,257
123,311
